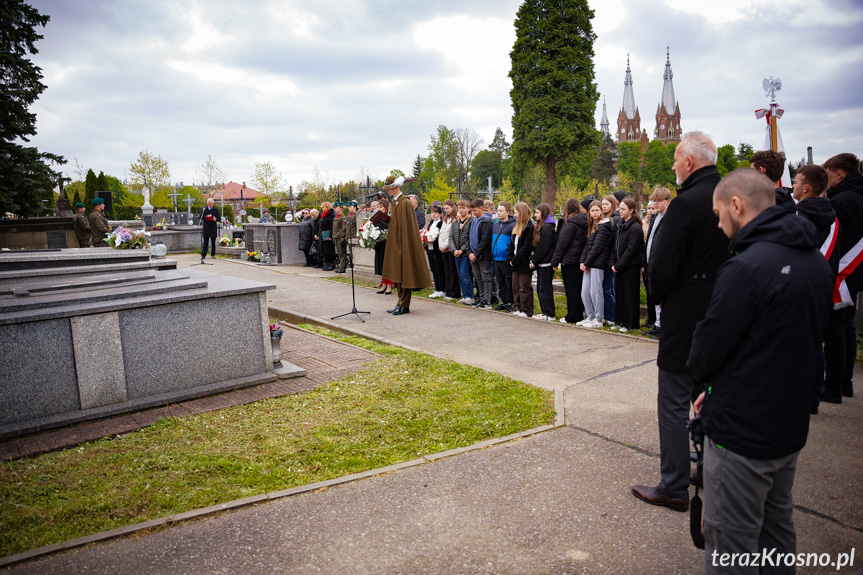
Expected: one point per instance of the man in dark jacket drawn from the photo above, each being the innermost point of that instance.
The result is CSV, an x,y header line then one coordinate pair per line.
x,y
755,412
479,252
210,218
772,164
661,197
683,264
846,195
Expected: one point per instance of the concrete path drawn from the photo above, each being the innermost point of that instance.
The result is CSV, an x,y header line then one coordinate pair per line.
x,y
558,502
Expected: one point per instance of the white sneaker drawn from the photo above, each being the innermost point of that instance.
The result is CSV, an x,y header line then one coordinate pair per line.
x,y
519,313
447,298
584,322
433,295
608,323
622,330
438,294
563,320
540,316
467,301
614,328
592,324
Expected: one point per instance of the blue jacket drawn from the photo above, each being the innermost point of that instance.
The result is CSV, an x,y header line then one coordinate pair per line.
x,y
501,236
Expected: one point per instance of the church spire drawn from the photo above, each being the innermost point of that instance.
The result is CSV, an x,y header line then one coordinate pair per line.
x,y
667,87
628,95
603,124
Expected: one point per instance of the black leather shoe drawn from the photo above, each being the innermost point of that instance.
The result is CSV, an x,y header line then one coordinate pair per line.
x,y
394,310
401,310
830,398
382,291
847,391
654,496
695,480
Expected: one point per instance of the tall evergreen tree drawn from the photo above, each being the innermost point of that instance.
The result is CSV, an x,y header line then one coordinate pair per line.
x,y
89,188
26,180
553,93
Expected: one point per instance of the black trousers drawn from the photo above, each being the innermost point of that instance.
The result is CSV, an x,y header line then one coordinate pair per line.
x,y
436,264
212,241
503,275
450,276
627,305
651,307
545,291
572,277
840,351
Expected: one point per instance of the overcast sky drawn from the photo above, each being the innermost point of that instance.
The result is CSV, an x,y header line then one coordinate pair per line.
x,y
359,86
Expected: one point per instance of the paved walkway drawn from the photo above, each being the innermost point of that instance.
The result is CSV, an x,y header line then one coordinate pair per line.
x,y
557,502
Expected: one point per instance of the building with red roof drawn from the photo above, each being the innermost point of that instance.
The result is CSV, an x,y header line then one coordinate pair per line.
x,y
238,196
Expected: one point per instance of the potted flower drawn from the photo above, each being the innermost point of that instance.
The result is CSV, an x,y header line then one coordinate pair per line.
x,y
276,333
225,241
124,238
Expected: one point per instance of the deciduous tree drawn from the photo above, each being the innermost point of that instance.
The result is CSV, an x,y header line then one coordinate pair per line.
x,y
152,171
553,93
266,179
657,163
629,159
209,173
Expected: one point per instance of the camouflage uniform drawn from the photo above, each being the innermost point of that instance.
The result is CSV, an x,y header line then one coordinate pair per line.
x,y
82,229
99,228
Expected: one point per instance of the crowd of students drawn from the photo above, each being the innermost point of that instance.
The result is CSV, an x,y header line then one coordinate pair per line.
x,y
486,257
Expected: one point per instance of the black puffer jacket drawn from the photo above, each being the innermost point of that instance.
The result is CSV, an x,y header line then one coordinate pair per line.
x,y
628,245
520,257
543,251
770,301
597,251
820,212
571,240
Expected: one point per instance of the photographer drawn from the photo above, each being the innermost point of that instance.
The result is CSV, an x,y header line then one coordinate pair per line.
x,y
760,364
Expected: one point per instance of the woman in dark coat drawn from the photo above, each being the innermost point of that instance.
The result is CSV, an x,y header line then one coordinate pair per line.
x,y
307,235
543,251
570,244
626,265
521,249
328,248
380,218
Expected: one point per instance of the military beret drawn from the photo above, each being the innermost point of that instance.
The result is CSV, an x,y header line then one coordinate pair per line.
x,y
353,203
79,205
97,201
338,204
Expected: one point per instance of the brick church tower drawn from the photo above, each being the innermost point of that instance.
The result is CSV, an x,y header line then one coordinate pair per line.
x,y
629,120
668,112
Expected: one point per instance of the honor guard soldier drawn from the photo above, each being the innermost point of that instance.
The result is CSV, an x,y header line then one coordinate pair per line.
x,y
99,227
82,227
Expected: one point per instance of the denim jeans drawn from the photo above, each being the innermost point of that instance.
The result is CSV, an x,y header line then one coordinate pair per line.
x,y
608,295
462,264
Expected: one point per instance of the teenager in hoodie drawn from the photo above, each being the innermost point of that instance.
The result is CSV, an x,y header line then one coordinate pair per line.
x,y
626,265
594,260
460,245
543,250
501,237
567,253
809,188
479,252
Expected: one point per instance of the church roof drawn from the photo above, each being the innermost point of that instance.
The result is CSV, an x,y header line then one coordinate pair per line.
x,y
231,191
628,95
667,87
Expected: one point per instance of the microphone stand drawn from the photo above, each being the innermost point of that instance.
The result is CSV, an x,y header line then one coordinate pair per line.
x,y
344,229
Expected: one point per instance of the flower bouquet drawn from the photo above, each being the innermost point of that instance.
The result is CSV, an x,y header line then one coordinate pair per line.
x,y
276,330
253,256
224,241
370,234
238,243
163,225
125,239
430,235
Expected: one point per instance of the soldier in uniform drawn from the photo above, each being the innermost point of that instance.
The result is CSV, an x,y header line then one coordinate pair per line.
x,y
405,263
99,227
339,236
82,226
351,224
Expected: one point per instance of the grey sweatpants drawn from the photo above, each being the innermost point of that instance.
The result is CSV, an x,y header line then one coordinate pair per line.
x,y
591,294
747,510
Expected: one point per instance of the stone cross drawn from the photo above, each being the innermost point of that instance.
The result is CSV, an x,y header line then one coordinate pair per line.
x,y
189,201
174,195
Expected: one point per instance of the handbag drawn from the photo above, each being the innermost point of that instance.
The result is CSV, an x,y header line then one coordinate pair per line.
x,y
314,249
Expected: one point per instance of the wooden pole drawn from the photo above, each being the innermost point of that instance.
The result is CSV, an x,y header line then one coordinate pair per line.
x,y
774,139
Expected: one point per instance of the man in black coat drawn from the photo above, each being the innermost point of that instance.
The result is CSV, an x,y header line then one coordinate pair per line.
x,y
840,350
210,218
755,412
683,264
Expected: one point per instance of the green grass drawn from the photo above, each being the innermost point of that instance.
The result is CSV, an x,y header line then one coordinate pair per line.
x,y
397,408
